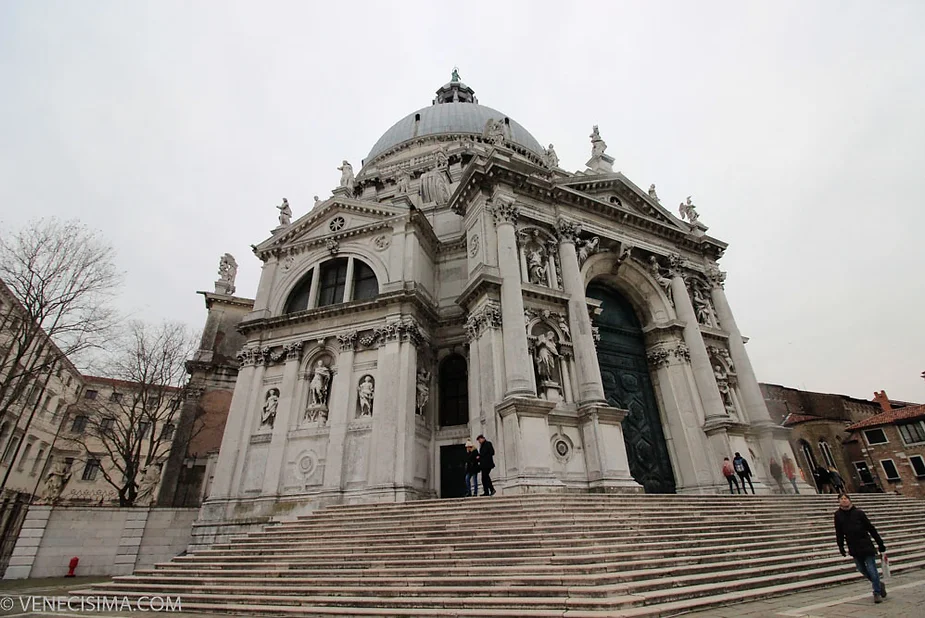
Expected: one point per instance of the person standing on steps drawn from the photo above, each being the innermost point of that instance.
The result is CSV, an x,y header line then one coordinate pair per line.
x,y
791,472
777,473
837,481
730,475
853,526
823,480
486,463
744,472
472,469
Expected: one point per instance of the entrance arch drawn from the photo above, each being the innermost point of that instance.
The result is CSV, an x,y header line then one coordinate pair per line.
x,y
621,353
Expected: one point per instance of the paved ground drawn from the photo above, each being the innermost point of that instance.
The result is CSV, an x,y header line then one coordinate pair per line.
x,y
906,600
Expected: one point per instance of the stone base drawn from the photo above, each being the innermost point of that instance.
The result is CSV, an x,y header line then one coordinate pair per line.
x,y
224,287
603,164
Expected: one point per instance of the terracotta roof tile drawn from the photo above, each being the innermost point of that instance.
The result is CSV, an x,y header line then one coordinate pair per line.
x,y
796,419
889,417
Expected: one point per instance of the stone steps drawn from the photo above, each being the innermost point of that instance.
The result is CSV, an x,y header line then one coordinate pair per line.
x,y
565,556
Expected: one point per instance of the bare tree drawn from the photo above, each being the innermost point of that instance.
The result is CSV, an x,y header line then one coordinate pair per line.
x,y
128,434
63,279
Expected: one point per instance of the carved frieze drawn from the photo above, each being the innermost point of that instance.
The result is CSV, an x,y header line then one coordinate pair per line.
x,y
682,352
405,330
567,231
293,350
486,316
659,356
347,340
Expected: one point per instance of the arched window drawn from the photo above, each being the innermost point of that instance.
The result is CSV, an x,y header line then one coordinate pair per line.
x,y
808,455
827,454
454,391
338,280
298,298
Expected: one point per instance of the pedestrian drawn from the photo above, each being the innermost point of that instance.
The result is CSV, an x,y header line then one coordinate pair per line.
x,y
472,469
853,526
730,475
791,473
486,463
744,472
777,473
823,480
837,481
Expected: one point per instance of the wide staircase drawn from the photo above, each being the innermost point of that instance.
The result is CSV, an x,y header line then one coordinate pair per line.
x,y
538,555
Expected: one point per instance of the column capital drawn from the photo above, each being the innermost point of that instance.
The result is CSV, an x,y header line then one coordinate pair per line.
x,y
567,231
293,350
675,265
503,209
716,277
347,340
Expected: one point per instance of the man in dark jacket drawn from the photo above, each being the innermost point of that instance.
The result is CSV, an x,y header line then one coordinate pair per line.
x,y
472,469
851,524
744,472
486,463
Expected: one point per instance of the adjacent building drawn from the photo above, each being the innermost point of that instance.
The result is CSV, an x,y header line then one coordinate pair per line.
x,y
891,446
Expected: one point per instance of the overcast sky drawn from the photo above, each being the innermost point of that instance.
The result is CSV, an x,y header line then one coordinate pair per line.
x,y
798,127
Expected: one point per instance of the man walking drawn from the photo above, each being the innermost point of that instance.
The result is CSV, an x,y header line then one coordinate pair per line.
x,y
744,472
730,475
486,463
852,525
472,469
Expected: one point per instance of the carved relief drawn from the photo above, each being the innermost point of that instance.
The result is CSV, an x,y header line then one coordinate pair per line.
x,y
293,350
703,306
716,277
655,270
332,245
366,391
347,340
435,182
682,352
382,242
474,245
406,330
422,389
659,356
567,231
494,131
487,316
586,248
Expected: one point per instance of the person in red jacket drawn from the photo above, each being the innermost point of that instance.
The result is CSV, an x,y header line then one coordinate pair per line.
x,y
730,474
790,472
852,525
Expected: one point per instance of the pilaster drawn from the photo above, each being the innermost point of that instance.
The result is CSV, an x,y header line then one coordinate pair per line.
x,y
607,463
283,421
236,433
340,411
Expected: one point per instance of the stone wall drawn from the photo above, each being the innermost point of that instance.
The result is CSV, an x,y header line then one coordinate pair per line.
x,y
908,484
108,541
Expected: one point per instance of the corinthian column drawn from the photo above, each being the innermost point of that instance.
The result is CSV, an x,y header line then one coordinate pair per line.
x,y
518,377
590,388
713,407
755,406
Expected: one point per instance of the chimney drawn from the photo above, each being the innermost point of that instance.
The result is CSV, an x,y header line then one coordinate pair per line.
x,y
883,400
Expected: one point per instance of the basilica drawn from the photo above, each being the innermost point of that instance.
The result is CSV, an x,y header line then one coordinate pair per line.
x,y
462,283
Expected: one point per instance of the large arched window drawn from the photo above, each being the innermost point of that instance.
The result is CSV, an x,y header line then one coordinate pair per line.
x,y
808,455
827,454
334,281
454,391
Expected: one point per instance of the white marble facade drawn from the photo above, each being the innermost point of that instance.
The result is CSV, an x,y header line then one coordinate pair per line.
x,y
461,246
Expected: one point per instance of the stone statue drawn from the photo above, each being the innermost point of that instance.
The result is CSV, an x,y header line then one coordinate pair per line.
x,y
285,213
652,192
494,131
318,387
346,176
587,249
687,211
55,481
702,307
367,391
317,202
147,488
455,76
545,355
598,145
552,159
563,326
404,182
269,408
423,390
664,282
435,182
719,373
536,267
227,268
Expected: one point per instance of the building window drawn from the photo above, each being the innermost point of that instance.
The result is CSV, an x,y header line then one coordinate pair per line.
x,y
365,285
24,456
106,426
37,462
808,455
167,431
80,423
912,433
889,468
454,391
10,450
115,397
875,436
298,298
827,454
57,409
91,470
918,465
143,428
333,281
90,394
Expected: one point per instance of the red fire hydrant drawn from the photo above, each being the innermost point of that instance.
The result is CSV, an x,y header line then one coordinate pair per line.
x,y
72,566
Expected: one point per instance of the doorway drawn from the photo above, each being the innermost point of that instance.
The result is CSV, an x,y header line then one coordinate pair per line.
x,y
453,471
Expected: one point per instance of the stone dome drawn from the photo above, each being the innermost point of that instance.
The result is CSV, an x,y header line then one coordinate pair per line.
x,y
454,111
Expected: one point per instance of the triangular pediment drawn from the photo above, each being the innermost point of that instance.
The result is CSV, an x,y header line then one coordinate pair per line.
x,y
621,194
334,217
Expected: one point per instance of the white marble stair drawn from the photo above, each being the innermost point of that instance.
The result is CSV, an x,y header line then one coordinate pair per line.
x,y
539,555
